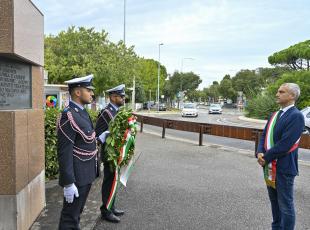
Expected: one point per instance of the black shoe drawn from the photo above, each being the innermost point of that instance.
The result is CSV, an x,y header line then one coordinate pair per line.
x,y
111,218
118,212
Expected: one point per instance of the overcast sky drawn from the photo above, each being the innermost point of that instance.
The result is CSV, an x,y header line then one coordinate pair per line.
x,y
212,37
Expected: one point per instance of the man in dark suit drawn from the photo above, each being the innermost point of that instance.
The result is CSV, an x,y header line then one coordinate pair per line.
x,y
117,99
77,152
278,148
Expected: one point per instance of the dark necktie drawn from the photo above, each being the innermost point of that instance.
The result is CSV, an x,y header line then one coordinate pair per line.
x,y
279,114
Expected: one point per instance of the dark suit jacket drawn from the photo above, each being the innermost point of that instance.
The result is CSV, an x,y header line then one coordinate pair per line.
x,y
73,167
102,124
287,131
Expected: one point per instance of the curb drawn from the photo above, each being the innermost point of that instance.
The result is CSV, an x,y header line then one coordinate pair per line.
x,y
243,118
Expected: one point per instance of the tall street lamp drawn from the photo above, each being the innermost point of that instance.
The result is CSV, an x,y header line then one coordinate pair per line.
x,y
124,21
160,44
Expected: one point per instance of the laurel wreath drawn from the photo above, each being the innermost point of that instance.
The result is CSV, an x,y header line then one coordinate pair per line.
x,y
115,140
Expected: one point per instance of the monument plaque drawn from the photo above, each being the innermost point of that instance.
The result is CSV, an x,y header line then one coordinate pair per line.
x,y
15,85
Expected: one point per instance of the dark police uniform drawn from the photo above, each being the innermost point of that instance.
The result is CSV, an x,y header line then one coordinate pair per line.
x,y
104,118
77,156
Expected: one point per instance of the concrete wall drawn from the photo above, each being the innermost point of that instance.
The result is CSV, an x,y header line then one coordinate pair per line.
x,y
20,210
21,31
28,31
6,26
21,166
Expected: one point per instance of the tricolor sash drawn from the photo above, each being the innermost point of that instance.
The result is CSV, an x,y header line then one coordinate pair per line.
x,y
271,168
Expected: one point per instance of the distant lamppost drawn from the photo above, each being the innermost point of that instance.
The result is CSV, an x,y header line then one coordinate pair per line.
x,y
160,44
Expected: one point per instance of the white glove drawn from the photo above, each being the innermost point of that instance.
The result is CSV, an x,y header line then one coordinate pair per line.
x,y
69,193
103,136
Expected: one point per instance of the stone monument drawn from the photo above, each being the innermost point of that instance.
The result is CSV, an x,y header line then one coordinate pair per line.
x,y
22,183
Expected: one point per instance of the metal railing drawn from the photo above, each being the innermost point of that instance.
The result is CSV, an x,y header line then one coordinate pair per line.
x,y
243,133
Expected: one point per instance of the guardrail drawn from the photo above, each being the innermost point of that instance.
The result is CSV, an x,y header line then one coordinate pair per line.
x,y
243,133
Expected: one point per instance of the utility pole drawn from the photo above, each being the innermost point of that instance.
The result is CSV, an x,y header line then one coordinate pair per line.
x,y
124,22
133,100
160,44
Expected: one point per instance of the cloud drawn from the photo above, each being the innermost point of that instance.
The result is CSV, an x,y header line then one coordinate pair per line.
x,y
221,35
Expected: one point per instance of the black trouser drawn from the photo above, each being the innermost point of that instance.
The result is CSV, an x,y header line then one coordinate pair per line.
x,y
108,176
70,213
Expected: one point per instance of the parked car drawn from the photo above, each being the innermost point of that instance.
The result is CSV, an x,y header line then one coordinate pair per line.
x,y
215,108
162,107
189,110
306,113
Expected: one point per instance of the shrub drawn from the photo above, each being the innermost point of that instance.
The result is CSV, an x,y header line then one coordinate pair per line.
x,y
301,78
51,162
261,106
93,115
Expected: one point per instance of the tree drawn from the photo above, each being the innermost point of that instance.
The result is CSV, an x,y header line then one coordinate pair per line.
x,y
147,74
247,82
227,77
213,92
205,94
302,78
169,92
81,51
271,75
295,57
194,95
184,81
226,90
140,95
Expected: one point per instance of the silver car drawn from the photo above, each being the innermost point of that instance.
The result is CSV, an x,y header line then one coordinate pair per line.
x,y
189,110
306,113
215,108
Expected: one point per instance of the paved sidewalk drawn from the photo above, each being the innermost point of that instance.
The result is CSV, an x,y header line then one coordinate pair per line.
x,y
49,218
179,185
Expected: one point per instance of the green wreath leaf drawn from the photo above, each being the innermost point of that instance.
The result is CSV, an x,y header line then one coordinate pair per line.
x,y
115,141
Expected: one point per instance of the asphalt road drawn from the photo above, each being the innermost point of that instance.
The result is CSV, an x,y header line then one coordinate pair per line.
x,y
229,117
177,185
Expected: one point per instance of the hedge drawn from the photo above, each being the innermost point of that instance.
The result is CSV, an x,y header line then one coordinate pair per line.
x,y
263,104
51,161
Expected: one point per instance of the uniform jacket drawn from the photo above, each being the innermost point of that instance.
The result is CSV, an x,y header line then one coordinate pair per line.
x,y
76,147
287,131
105,116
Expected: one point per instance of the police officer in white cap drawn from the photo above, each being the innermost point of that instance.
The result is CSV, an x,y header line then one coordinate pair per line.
x,y
77,152
117,99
